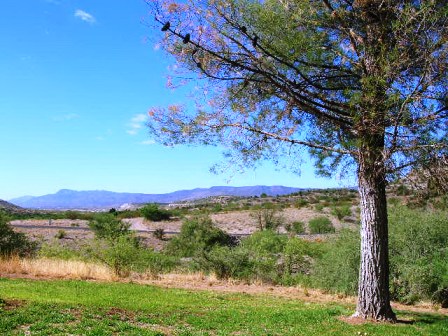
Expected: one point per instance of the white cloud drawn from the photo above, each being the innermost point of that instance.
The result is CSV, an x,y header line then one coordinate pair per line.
x,y
148,142
137,122
84,16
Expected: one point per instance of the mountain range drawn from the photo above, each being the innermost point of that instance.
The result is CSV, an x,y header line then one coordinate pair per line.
x,y
100,199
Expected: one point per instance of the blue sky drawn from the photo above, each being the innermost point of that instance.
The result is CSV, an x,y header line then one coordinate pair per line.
x,y
76,81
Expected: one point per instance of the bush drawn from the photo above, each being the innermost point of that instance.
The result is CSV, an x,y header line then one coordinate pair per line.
x,y
13,243
267,216
109,227
153,213
299,255
125,255
418,243
300,203
265,249
61,234
342,211
265,242
226,262
197,235
321,225
295,228
337,270
159,233
319,207
418,254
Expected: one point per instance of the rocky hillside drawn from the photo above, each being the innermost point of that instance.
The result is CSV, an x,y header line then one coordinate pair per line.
x,y
9,207
99,199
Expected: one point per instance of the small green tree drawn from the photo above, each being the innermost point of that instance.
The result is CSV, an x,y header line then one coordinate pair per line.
x,y
11,242
197,235
267,216
153,213
109,226
321,224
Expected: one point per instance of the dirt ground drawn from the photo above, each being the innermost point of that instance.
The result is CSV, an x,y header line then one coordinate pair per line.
x,y
237,222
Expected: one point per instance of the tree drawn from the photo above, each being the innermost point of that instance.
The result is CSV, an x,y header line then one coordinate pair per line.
x,y
108,226
360,83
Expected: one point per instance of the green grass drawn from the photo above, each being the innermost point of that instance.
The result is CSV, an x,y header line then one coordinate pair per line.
x,y
88,308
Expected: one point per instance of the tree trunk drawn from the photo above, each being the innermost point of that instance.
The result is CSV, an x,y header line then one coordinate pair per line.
x,y
373,288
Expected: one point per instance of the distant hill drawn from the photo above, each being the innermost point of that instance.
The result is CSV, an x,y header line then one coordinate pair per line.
x,y
10,207
100,199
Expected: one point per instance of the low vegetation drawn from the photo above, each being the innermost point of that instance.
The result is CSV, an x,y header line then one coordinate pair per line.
x,y
11,242
89,308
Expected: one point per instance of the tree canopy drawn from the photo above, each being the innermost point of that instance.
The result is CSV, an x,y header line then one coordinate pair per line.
x,y
286,73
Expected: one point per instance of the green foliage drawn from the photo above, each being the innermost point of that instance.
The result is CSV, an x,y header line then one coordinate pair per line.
x,y
159,233
125,255
402,190
418,257
337,270
300,203
11,242
108,226
60,234
341,211
319,207
153,213
299,259
296,227
268,216
418,253
227,262
321,224
265,243
197,235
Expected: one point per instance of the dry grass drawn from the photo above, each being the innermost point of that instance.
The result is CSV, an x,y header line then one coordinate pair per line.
x,y
53,268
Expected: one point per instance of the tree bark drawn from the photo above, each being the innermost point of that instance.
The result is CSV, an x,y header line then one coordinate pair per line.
x,y
373,287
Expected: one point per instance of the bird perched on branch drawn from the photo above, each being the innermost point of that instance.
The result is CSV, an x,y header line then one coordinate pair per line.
x,y
166,26
255,41
186,38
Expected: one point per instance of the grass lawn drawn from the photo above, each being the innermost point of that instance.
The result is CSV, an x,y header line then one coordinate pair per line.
x,y
32,307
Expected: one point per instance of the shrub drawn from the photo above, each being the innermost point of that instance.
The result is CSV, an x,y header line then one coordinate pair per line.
x,y
226,262
341,211
196,236
319,207
418,254
299,259
337,269
265,249
267,216
321,225
108,226
159,233
295,228
265,242
60,234
153,212
11,242
300,203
